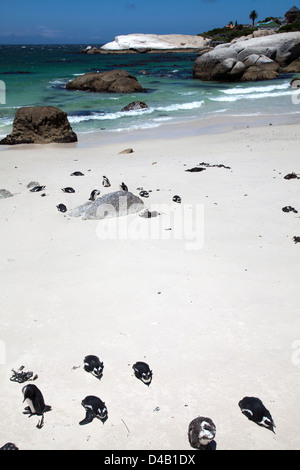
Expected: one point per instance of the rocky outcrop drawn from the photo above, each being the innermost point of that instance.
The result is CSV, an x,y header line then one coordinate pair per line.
x,y
250,59
294,67
114,81
153,42
114,204
40,125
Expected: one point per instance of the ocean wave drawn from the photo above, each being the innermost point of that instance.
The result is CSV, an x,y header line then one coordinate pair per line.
x,y
181,106
257,89
102,116
253,96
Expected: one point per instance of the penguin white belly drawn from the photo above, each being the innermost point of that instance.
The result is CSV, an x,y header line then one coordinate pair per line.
x,y
30,404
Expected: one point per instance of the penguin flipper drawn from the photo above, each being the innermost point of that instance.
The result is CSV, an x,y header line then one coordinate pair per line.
x,y
88,418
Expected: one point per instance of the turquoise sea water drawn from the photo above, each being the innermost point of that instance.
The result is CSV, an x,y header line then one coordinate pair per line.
x,y
36,75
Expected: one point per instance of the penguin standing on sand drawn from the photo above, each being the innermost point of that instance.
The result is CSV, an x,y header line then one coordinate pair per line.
x,y
95,408
105,182
35,402
254,409
93,365
201,433
123,187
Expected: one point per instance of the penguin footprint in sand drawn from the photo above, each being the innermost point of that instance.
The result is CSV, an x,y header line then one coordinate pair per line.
x,y
142,372
35,402
93,365
254,409
95,408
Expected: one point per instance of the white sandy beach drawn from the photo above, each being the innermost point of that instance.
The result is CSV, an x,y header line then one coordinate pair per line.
x,y
215,321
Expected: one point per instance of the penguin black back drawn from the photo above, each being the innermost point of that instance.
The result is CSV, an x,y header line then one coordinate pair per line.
x,y
95,408
254,409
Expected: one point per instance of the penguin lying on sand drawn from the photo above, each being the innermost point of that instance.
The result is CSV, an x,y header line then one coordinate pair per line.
x,y
95,408
256,411
201,433
93,365
142,372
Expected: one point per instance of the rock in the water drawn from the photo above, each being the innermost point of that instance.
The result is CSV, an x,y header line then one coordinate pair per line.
x,y
114,81
135,106
40,125
109,205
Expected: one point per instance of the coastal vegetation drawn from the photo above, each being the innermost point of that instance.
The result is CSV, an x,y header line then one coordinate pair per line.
x,y
235,30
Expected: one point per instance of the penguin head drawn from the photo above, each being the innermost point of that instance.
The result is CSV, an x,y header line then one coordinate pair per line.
x,y
207,431
98,371
142,371
28,391
102,412
268,423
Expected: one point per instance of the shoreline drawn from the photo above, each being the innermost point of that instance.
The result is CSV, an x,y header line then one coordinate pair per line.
x,y
215,322
190,127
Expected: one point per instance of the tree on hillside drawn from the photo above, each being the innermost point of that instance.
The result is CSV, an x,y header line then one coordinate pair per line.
x,y
253,15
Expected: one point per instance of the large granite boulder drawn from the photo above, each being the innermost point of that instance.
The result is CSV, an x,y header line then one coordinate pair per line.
x,y
40,125
109,205
258,58
113,81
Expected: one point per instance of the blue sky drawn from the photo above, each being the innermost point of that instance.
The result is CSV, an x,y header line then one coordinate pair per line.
x,y
99,21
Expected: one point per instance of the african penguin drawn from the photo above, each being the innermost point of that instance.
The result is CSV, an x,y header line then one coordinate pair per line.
x,y
201,433
144,193
177,199
105,182
36,189
123,187
68,189
95,408
61,208
254,409
34,400
93,365
94,194
77,173
142,372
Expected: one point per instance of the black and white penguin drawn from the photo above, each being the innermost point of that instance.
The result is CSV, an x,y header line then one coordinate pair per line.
x,y
144,193
95,408
94,194
123,187
93,365
68,189
142,372
61,208
105,182
201,433
77,173
34,400
9,446
176,198
254,409
36,189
